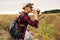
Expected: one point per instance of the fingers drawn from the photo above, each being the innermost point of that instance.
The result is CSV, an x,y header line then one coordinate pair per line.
x,y
34,12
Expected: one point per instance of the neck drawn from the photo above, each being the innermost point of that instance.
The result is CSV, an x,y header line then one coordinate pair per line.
x,y
25,11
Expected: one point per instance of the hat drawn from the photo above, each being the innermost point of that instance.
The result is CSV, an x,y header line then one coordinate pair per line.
x,y
28,5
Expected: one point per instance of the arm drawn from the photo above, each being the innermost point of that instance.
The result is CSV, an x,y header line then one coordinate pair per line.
x,y
35,14
33,23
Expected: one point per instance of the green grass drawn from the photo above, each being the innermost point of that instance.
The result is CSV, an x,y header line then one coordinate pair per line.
x,y
45,31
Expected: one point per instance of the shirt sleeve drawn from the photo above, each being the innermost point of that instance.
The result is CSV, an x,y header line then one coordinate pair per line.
x,y
31,22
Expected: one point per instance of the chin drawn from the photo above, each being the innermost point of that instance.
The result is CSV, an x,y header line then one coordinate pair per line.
x,y
29,11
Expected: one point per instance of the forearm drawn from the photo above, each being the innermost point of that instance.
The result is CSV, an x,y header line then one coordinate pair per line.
x,y
35,17
35,14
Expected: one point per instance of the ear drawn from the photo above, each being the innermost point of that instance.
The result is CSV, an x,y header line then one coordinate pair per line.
x,y
25,7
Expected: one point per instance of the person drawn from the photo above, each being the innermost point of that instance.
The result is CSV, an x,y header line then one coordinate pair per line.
x,y
24,20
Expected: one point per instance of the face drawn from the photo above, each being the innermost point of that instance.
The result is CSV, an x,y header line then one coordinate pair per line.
x,y
29,9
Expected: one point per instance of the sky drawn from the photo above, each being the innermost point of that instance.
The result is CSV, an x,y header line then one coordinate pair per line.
x,y
15,6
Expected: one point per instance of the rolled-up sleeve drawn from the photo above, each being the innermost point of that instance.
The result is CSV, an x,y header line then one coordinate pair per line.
x,y
33,23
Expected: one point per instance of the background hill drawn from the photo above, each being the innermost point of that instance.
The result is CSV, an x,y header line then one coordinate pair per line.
x,y
51,11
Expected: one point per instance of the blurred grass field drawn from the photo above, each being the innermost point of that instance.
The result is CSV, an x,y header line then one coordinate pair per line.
x,y
48,29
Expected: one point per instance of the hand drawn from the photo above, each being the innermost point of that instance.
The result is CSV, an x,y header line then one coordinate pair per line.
x,y
34,12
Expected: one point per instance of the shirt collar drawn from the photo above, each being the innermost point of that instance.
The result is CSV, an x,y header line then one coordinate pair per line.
x,y
25,13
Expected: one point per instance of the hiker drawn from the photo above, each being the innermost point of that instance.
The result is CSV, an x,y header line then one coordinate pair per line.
x,y
24,20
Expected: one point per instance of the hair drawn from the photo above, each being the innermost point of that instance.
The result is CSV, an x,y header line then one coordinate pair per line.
x,y
23,8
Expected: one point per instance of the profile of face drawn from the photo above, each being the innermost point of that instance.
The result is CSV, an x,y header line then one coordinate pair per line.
x,y
28,9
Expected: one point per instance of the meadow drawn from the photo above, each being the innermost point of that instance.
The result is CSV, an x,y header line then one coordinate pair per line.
x,y
48,29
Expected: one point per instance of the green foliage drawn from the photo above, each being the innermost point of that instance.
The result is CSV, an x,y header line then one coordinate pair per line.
x,y
43,32
51,11
46,30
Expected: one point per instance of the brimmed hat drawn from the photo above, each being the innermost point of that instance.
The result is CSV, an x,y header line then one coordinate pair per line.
x,y
28,5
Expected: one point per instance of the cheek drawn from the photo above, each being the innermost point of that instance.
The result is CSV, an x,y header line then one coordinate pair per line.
x,y
29,9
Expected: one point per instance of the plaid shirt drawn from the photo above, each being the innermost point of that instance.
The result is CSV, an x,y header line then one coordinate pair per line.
x,y
25,20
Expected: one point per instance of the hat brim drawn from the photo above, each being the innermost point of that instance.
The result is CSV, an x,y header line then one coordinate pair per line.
x,y
28,5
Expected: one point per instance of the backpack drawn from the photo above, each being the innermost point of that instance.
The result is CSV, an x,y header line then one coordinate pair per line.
x,y
13,29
